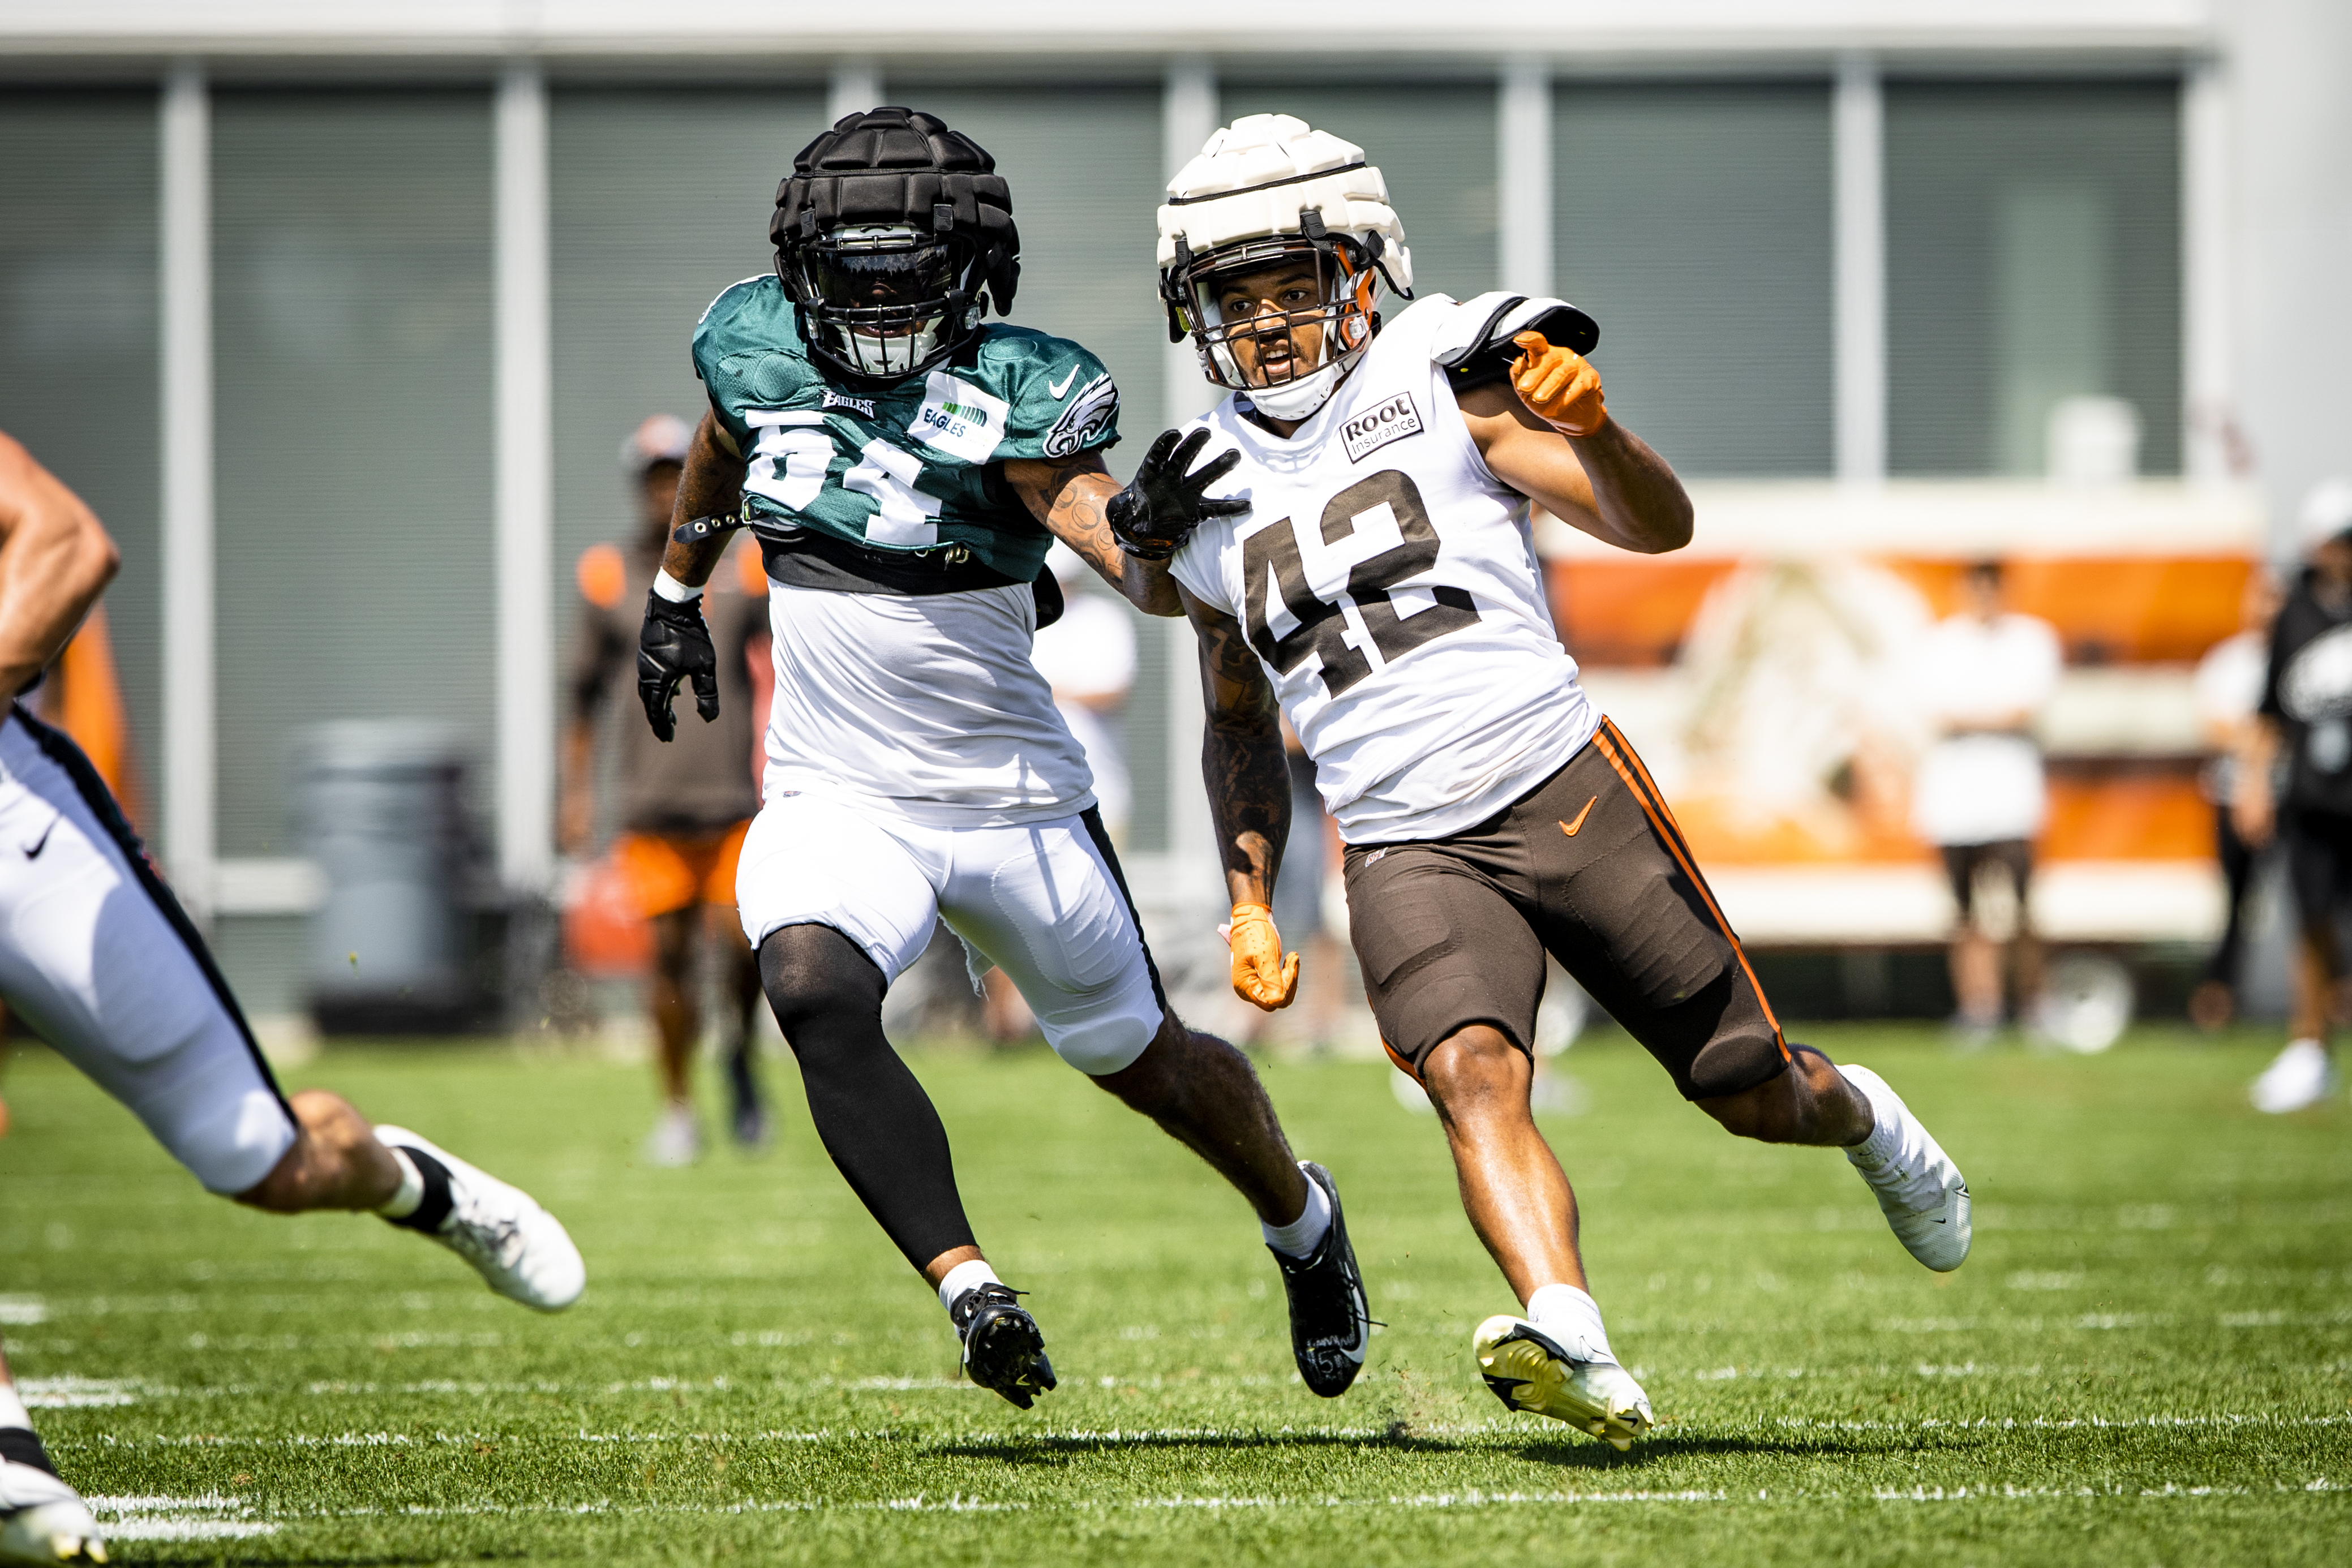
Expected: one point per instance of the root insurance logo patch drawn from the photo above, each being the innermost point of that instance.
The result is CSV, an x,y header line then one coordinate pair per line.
x,y
1380,424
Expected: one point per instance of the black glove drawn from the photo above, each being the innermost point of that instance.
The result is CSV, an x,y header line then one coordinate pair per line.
x,y
1163,504
673,645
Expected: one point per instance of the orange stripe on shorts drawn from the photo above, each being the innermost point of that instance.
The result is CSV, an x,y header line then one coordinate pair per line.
x,y
1620,752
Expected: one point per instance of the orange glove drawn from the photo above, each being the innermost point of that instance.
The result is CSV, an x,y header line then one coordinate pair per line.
x,y
1262,976
1559,385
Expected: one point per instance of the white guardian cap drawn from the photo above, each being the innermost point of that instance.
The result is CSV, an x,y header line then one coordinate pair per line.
x,y
1265,191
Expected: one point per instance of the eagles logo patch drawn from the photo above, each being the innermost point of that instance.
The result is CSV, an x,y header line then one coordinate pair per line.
x,y
1092,409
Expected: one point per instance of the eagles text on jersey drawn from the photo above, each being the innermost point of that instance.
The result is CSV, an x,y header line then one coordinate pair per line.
x,y
905,467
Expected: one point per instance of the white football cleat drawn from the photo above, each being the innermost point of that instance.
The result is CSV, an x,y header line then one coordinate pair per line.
x,y
1920,1189
42,1519
676,1140
521,1248
1527,1370
2298,1077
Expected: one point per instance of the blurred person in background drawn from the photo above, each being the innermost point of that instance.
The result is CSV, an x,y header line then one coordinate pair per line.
x,y
2305,719
1087,656
2228,692
1985,675
99,958
684,807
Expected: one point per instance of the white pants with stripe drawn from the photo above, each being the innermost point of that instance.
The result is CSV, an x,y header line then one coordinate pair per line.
x,y
97,960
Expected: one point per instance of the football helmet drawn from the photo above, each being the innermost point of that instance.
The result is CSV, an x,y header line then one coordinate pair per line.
x,y
888,231
1267,191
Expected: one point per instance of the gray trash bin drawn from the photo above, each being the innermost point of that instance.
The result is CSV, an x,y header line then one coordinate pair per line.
x,y
381,811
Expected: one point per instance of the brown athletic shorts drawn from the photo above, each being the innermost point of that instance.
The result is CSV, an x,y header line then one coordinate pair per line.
x,y
1587,865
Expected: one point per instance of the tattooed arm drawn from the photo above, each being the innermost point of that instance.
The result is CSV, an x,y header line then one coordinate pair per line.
x,y
1241,755
1068,495
712,487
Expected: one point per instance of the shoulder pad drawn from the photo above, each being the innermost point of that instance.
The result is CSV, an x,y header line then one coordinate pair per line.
x,y
707,310
1473,345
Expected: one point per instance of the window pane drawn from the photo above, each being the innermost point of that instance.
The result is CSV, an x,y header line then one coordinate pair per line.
x,y
2033,254
1434,144
1694,222
658,201
351,279
78,348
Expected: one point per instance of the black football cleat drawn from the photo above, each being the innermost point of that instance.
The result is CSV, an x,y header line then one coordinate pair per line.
x,y
1003,1348
1329,1319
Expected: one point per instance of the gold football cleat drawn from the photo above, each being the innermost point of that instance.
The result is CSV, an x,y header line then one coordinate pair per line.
x,y
1527,1370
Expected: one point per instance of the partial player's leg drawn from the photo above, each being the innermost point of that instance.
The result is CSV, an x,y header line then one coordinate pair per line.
x,y
105,968
740,983
677,1138
1047,902
2320,871
1455,972
738,986
838,907
1626,910
42,1519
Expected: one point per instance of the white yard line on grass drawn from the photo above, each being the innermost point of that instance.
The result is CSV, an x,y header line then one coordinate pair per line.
x,y
1502,1428
208,1518
71,1392
958,1503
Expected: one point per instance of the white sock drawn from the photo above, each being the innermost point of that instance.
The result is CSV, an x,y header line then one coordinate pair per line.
x,y
1880,1142
1303,1235
966,1276
1573,1318
403,1204
12,1409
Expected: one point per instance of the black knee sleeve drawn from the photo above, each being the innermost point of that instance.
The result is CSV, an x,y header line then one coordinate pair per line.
x,y
872,1115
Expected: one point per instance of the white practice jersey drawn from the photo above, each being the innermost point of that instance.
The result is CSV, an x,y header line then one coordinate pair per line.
x,y
923,706
1389,583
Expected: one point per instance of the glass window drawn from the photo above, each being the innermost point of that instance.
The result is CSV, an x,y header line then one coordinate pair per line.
x,y
79,370
659,199
352,302
2034,256
1693,221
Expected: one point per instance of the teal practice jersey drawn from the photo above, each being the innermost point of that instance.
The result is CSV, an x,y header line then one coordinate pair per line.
x,y
908,467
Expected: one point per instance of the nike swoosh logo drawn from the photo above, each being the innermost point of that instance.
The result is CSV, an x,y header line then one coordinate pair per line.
x,y
33,851
1061,389
1571,829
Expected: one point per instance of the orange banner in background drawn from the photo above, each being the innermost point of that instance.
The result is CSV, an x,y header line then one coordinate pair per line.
x,y
2107,610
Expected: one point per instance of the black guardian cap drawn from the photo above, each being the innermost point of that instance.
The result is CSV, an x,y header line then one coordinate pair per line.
x,y
887,231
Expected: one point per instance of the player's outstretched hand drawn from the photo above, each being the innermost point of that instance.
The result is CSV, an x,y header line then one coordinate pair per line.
x,y
1559,385
1163,504
673,645
1262,976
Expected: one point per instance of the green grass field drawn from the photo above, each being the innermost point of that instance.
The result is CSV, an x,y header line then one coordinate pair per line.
x,y
2146,1361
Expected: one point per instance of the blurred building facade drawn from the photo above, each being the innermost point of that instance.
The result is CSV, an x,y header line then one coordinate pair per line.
x,y
336,313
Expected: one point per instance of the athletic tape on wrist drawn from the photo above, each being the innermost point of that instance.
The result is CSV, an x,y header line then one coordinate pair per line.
x,y
674,590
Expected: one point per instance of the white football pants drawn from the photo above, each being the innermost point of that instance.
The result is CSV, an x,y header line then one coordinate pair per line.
x,y
96,955
1043,901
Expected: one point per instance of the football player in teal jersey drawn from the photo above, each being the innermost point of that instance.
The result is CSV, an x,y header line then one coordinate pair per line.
x,y
905,466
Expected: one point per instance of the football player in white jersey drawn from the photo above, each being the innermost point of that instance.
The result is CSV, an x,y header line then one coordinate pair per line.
x,y
1377,583
905,467
98,960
